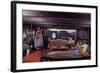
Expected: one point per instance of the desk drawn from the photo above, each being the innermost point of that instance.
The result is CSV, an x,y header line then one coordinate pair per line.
x,y
57,44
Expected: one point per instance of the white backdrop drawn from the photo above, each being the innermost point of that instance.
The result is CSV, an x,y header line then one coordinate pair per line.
x,y
5,36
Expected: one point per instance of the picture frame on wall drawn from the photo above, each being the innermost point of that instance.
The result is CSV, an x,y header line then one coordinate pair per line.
x,y
48,36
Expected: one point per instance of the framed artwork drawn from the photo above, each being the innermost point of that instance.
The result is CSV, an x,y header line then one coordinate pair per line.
x,y
47,36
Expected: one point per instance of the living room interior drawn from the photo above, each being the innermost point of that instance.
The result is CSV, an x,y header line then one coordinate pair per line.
x,y
55,36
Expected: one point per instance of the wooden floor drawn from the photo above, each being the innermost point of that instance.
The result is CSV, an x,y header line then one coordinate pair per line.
x,y
34,56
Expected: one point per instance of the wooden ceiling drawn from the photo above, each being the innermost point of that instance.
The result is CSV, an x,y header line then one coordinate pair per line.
x,y
50,19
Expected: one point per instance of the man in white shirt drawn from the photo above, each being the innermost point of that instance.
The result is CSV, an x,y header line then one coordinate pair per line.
x,y
38,40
